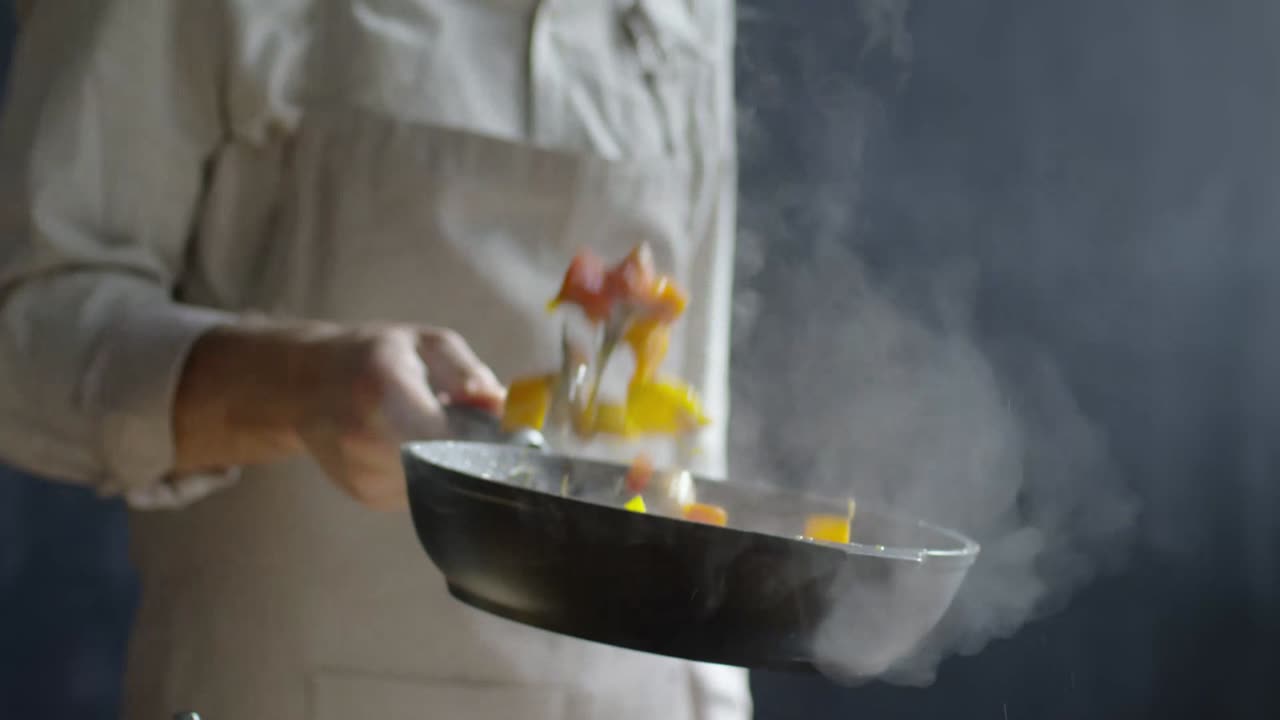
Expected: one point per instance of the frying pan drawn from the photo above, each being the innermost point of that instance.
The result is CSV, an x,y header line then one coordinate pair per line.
x,y
542,539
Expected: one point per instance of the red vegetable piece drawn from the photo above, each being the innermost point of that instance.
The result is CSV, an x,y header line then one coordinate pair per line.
x,y
633,280
584,285
639,474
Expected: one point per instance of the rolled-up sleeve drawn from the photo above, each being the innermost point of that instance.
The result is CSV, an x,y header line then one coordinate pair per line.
x,y
112,119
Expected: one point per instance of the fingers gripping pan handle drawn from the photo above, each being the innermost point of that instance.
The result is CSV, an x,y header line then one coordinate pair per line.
x,y
477,425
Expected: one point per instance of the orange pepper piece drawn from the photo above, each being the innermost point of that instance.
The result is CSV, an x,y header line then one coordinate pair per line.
x,y
527,402
649,340
707,514
827,528
667,301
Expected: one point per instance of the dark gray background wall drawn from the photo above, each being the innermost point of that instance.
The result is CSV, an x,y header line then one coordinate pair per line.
x,y
1111,170
66,589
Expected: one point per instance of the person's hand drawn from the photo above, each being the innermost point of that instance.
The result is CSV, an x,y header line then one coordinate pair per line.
x,y
373,390
347,396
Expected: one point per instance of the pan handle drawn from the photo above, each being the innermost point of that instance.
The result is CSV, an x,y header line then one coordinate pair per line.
x,y
475,424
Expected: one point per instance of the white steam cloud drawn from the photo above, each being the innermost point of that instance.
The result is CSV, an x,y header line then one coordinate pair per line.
x,y
849,380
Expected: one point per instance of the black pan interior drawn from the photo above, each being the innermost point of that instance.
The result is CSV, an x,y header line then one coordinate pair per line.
x,y
751,507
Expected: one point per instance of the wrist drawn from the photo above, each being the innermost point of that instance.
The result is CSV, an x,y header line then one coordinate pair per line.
x,y
241,395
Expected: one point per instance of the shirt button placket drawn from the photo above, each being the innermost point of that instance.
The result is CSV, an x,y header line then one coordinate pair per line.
x,y
544,76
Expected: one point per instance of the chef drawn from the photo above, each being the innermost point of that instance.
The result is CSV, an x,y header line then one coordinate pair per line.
x,y
250,247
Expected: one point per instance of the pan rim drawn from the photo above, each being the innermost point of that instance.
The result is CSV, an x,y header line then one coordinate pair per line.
x,y
963,555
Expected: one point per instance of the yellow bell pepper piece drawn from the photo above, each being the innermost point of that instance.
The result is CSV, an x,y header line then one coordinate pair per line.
x,y
527,402
636,504
611,419
663,408
584,420
827,528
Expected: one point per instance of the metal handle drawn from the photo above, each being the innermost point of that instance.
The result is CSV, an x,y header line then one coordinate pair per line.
x,y
187,716
477,425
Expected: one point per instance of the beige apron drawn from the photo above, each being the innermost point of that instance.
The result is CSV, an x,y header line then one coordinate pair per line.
x,y
279,599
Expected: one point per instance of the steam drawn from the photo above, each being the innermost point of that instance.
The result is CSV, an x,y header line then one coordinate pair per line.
x,y
877,382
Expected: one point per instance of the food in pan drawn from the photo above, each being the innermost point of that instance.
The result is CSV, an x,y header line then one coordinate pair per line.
x,y
705,513
827,528
630,305
632,286
633,305
639,474
528,400
674,491
830,527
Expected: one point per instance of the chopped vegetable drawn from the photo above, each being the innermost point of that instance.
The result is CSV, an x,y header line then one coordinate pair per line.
x,y
668,408
649,340
527,403
639,474
636,283
634,279
633,283
827,528
611,418
636,305
584,285
635,504
666,302
708,514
